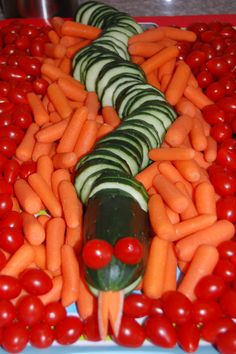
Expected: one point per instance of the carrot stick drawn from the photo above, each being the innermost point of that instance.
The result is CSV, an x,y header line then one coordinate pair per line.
x,y
200,160
172,215
70,275
210,152
71,89
45,193
136,59
159,220
205,198
74,237
59,100
110,116
186,107
55,235
197,136
71,205
213,235
68,41
45,168
191,210
59,175
153,283
167,68
179,130
179,34
72,131
145,49
25,149
86,301
170,282
55,293
64,159
93,104
171,154
27,197
116,310
178,83
73,49
170,194
52,72
153,80
40,114
43,219
33,231
19,261
202,264
57,23
54,50
40,256
52,132
86,139
65,65
41,149
103,130
197,97
75,29
188,169
146,175
103,313
159,59
151,35
15,205
53,37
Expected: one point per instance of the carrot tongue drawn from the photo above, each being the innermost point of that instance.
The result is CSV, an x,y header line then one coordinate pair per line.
x,y
110,308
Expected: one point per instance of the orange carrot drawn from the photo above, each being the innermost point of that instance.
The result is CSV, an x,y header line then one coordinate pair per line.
x,y
68,41
210,152
146,176
71,205
192,81
64,159
159,59
153,80
52,72
27,197
74,237
172,215
145,49
153,284
179,130
76,29
41,149
65,65
40,256
178,83
172,153
45,193
200,160
93,104
170,194
179,34
197,97
188,169
103,130
73,49
205,198
15,205
197,136
71,89
136,59
57,23
191,210
40,114
110,116
45,168
151,35
170,282
33,231
59,100
52,132
202,264
59,175
186,107
19,261
116,300
55,50
55,236
220,231
159,220
167,68
86,301
86,139
72,131
43,219
54,294
53,37
25,149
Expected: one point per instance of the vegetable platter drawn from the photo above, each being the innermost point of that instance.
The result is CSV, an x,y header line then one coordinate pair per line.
x,y
117,188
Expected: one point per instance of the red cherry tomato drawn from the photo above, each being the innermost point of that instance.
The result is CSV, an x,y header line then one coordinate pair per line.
x,y
196,59
41,335
9,287
210,330
228,302
137,305
226,342
228,104
226,208
22,118
7,312
128,250
12,73
11,239
23,42
206,310
27,168
11,219
30,65
215,91
35,281
15,337
54,312
3,259
204,78
157,307
5,187
40,86
90,329
188,336
68,330
97,253
210,287
221,132
227,249
226,157
208,36
131,333
228,83
213,114
5,119
30,310
177,307
37,47
4,88
225,269
5,203
217,66
11,171
160,331
12,132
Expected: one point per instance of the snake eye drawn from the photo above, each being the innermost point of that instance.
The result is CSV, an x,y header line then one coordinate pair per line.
x,y
128,250
97,253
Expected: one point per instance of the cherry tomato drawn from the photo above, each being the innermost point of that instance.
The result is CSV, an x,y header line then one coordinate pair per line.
x,y
11,171
131,333
5,119
41,335
15,337
4,88
37,47
221,131
97,253
226,208
227,249
5,203
215,91
11,239
217,66
160,331
205,310
204,78
54,312
35,281
226,342
3,161
213,114
228,104
137,305
30,65
9,287
7,312
6,106
128,250
22,118
12,132
226,157
188,335
208,36
223,180
157,307
225,269
177,307
210,330
17,95
3,259
68,330
11,219
210,287
30,310
228,302
209,51
90,328
219,45
229,84
27,168
40,86
12,73
5,187
196,59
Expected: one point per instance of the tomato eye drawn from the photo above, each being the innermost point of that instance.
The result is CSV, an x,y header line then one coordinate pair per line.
x,y
97,253
128,250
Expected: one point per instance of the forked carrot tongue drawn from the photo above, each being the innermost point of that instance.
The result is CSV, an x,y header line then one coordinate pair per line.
x,y
110,307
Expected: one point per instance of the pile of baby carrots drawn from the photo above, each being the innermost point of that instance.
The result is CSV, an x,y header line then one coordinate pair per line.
x,y
68,121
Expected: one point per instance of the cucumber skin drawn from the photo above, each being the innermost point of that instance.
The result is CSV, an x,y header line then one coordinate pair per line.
x,y
111,216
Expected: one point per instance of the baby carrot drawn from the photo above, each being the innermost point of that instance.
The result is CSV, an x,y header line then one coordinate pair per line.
x,y
172,215
220,231
178,83
54,294
25,149
34,232
86,139
153,283
146,175
210,152
72,131
153,80
186,107
45,168
72,90
19,261
136,59
54,117
40,256
205,198
76,29
55,50
86,302
202,264
59,175
191,210
179,34
159,59
197,136
159,220
55,236
59,100
200,160
73,49
71,205
170,282
197,97
52,72
167,68
40,114
52,132
188,169
170,194
93,104
43,219
57,23
110,116
70,275
103,130
41,149
64,159
172,153
179,130
53,37
151,35
45,193
27,197
145,49
68,41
